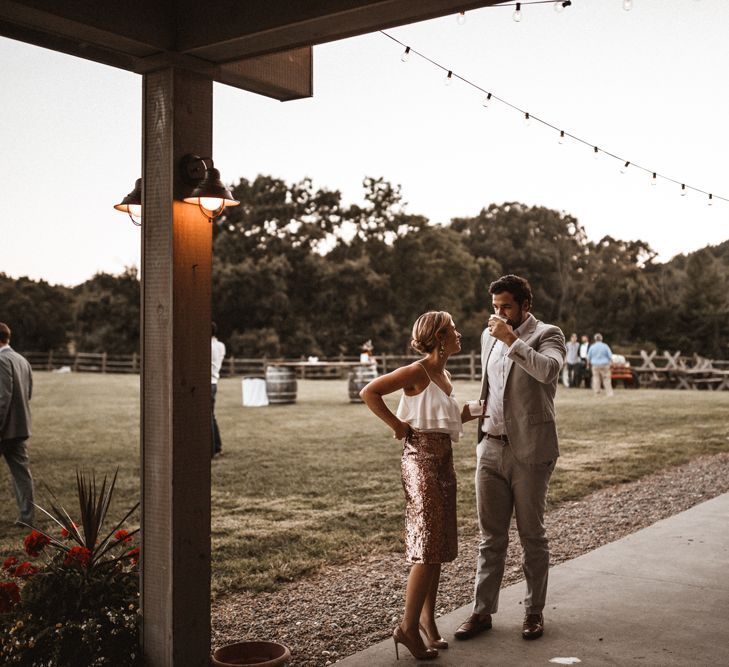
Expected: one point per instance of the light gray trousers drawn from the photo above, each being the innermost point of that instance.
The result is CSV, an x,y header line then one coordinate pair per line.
x,y
503,485
15,452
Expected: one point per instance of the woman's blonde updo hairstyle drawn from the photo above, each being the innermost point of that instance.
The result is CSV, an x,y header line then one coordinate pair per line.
x,y
425,328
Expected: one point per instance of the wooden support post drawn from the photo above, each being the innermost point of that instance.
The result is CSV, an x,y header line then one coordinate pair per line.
x,y
103,362
176,416
473,365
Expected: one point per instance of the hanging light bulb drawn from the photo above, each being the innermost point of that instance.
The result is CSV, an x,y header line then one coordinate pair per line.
x,y
558,6
711,199
624,168
653,178
517,12
561,137
684,191
405,54
595,152
627,5
449,79
486,100
527,119
461,18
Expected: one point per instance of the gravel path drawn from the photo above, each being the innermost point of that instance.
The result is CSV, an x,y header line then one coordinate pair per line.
x,y
344,609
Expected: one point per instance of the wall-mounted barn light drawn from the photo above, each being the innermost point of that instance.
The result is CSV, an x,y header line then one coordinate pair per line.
x,y
209,192
132,203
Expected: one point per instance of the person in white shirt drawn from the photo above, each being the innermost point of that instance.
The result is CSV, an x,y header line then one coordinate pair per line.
x,y
573,361
217,354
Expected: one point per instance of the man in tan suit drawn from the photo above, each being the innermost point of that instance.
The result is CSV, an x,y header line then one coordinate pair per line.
x,y
517,449
16,387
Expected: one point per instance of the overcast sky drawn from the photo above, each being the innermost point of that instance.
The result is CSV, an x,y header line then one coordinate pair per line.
x,y
648,85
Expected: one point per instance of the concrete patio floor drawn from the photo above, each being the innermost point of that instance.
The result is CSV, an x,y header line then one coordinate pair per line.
x,y
657,597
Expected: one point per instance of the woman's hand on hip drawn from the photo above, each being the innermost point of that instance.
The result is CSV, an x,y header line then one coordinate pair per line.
x,y
402,430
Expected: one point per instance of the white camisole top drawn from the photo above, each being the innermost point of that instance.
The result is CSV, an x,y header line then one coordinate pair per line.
x,y
432,410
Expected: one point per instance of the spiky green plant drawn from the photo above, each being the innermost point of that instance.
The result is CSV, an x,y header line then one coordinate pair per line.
x,y
80,606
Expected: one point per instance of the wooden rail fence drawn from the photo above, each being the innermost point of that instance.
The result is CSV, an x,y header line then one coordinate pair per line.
x,y
654,369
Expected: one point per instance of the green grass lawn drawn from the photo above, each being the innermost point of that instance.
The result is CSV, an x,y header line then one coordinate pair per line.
x,y
319,482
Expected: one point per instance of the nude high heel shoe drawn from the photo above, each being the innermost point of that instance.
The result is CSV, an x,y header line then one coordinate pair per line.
x,y
434,642
399,637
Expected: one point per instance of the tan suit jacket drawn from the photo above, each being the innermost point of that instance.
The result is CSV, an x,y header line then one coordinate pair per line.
x,y
533,366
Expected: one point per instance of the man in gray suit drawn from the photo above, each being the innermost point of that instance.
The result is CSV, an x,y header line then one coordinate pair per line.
x,y
16,387
517,449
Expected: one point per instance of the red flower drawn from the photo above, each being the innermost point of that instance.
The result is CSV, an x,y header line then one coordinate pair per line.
x,y
9,562
80,555
133,556
24,570
34,543
122,536
9,596
65,532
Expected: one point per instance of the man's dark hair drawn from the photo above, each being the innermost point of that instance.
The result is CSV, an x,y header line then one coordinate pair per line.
x,y
4,333
518,288
214,328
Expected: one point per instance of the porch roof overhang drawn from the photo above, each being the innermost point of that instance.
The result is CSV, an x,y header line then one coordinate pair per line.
x,y
263,46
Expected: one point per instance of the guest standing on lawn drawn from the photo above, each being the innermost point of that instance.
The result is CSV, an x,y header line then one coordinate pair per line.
x,y
16,387
427,421
599,357
217,354
573,361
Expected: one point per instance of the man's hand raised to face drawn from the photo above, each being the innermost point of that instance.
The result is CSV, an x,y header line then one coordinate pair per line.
x,y
501,330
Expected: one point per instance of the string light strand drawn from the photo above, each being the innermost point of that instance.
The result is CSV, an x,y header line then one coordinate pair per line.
x,y
489,96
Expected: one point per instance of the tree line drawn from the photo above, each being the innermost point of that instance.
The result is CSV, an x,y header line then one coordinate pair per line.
x,y
296,271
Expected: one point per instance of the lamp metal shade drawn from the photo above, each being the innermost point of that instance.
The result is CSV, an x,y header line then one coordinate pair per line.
x,y
211,187
134,198
132,203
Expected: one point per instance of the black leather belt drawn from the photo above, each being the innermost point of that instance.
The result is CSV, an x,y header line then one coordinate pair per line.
x,y
504,438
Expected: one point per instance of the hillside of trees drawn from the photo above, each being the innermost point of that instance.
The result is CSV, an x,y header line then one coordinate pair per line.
x,y
297,271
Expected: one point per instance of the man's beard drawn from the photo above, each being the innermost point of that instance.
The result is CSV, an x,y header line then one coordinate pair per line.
x,y
513,324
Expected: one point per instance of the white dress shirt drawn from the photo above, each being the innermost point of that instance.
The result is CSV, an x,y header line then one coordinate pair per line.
x,y
496,369
217,354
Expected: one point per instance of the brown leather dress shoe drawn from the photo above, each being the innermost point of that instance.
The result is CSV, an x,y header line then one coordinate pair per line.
x,y
533,627
472,626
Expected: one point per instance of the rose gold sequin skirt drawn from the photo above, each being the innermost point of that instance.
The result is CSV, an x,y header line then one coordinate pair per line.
x,y
429,481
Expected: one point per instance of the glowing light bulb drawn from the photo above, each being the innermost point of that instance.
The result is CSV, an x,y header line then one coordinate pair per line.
x,y
595,152
211,203
486,100
517,12
135,210
653,179
527,119
627,5
559,6
624,168
461,18
561,137
405,54
684,191
449,79
711,199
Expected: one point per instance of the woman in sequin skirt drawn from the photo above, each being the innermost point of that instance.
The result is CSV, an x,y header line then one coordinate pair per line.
x,y
427,421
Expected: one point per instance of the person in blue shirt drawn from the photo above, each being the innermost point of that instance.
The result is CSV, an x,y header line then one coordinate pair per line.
x,y
599,356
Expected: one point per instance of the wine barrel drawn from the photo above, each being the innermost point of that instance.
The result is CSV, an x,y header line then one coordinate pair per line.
x,y
280,385
358,378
